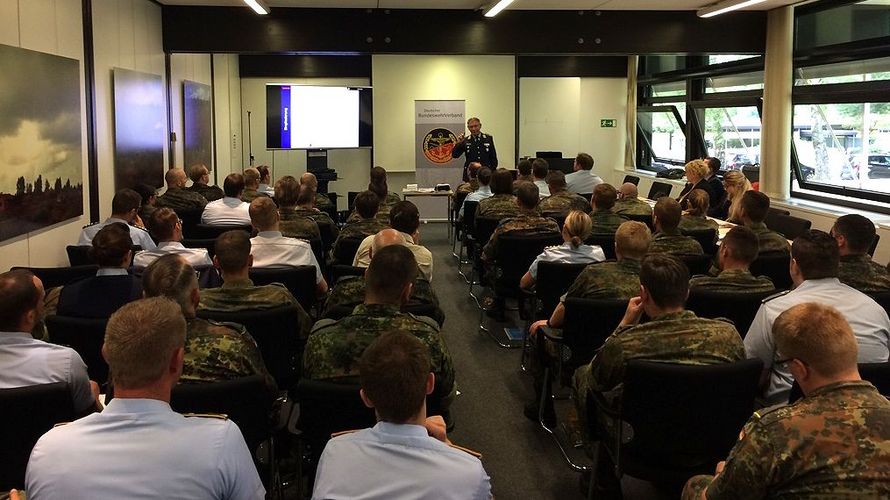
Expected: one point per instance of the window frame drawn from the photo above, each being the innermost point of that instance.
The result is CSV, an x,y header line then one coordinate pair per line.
x,y
643,142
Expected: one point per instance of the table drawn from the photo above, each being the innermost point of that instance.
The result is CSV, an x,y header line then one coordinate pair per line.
x,y
430,193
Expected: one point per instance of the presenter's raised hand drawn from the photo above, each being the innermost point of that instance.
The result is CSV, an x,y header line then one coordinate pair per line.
x,y
461,138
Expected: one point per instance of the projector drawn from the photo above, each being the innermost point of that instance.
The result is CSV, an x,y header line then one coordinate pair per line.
x,y
443,187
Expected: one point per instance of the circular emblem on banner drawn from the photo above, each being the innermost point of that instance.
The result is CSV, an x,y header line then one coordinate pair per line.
x,y
437,145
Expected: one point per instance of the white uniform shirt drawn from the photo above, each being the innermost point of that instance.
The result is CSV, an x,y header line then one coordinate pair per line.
x,y
139,236
226,212
582,181
26,361
141,449
423,256
397,461
271,249
566,254
266,189
543,188
477,195
196,257
867,319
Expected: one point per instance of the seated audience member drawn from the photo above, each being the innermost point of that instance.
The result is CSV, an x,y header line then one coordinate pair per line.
x,y
672,335
167,230
26,361
238,293
830,444
629,202
736,253
718,192
334,347
113,286
540,169
605,220
696,174
855,234
472,184
814,264
695,217
161,453
483,180
251,185
583,179
501,204
752,212
149,202
668,239
561,202
228,210
608,280
124,208
292,224
265,186
379,187
350,291
272,250
573,251
367,223
306,208
177,196
322,201
736,185
405,219
213,351
406,450
200,176
523,174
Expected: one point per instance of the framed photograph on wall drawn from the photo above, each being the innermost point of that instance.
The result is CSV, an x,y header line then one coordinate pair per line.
x,y
139,129
197,124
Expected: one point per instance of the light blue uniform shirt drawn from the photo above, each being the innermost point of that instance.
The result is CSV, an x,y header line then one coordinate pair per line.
x,y
477,195
402,461
141,449
867,319
582,181
565,254
543,188
139,236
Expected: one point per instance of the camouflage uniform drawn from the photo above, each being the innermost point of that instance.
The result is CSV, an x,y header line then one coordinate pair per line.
x,y
632,206
830,444
733,280
323,201
382,211
180,199
606,221
674,243
607,280
562,203
293,225
319,217
210,193
769,240
251,194
334,347
359,230
350,292
861,273
244,296
525,223
520,179
468,187
499,206
697,223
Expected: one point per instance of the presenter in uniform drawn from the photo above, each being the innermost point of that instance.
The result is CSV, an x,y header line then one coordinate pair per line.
x,y
477,147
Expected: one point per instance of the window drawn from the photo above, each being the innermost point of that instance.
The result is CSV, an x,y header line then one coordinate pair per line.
x,y
868,70
821,27
672,89
725,58
732,135
661,130
734,83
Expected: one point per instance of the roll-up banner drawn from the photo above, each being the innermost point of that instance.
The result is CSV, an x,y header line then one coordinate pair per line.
x,y
436,127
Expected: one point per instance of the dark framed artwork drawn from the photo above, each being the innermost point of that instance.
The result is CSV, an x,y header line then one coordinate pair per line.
x,y
197,124
139,129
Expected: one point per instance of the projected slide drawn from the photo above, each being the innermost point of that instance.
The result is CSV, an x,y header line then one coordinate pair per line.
x,y
308,117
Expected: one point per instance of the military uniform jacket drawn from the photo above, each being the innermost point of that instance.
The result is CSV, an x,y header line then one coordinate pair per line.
x,y
632,206
181,199
468,187
697,223
210,193
769,240
360,229
220,351
606,221
382,211
294,225
244,296
323,201
527,224
562,203
477,148
863,274
830,444
733,280
675,243
334,347
350,292
248,195
498,206
319,217
607,280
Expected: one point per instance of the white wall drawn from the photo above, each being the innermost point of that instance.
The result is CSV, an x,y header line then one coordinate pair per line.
x,y
227,115
192,67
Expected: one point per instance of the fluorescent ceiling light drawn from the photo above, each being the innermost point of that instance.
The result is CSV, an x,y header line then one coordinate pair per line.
x,y
258,6
725,6
497,8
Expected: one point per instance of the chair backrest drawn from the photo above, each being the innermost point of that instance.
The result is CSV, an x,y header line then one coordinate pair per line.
x,y
483,228
470,208
554,278
28,413
633,179
190,218
79,255
685,418
775,266
208,244
659,189
84,335
882,298
340,270
211,232
346,250
328,407
588,323
644,218
874,245
774,210
520,250
788,226
319,252
740,308
697,264
327,234
707,238
246,401
276,332
59,276
586,196
605,241
459,198
299,280
350,199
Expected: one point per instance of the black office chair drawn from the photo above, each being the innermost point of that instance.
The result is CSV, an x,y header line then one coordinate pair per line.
x,y
466,234
775,266
659,189
190,218
339,271
483,228
350,199
774,210
876,373
28,413
707,238
605,241
299,280
740,308
345,251
211,232
697,264
644,218
882,298
874,245
59,276
633,179
79,255
278,336
208,244
676,420
319,252
327,234
456,224
84,335
788,226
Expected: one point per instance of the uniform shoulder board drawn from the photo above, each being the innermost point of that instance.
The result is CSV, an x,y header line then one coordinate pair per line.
x,y
218,416
91,224
774,296
343,433
323,323
725,320
424,319
228,324
60,424
139,228
466,450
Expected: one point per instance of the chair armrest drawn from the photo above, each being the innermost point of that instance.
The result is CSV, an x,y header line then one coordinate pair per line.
x,y
552,334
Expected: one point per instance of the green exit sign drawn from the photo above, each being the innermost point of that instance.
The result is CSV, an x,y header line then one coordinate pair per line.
x,y
608,123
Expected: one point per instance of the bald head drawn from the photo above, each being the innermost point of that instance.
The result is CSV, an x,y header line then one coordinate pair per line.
x,y
309,179
385,238
175,178
628,190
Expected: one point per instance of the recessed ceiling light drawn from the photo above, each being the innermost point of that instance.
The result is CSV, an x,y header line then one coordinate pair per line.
x,y
258,6
497,8
725,6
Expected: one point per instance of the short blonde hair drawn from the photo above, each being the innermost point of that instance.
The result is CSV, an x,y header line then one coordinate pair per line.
x,y
262,212
632,239
697,167
578,225
287,189
817,334
140,339
251,176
